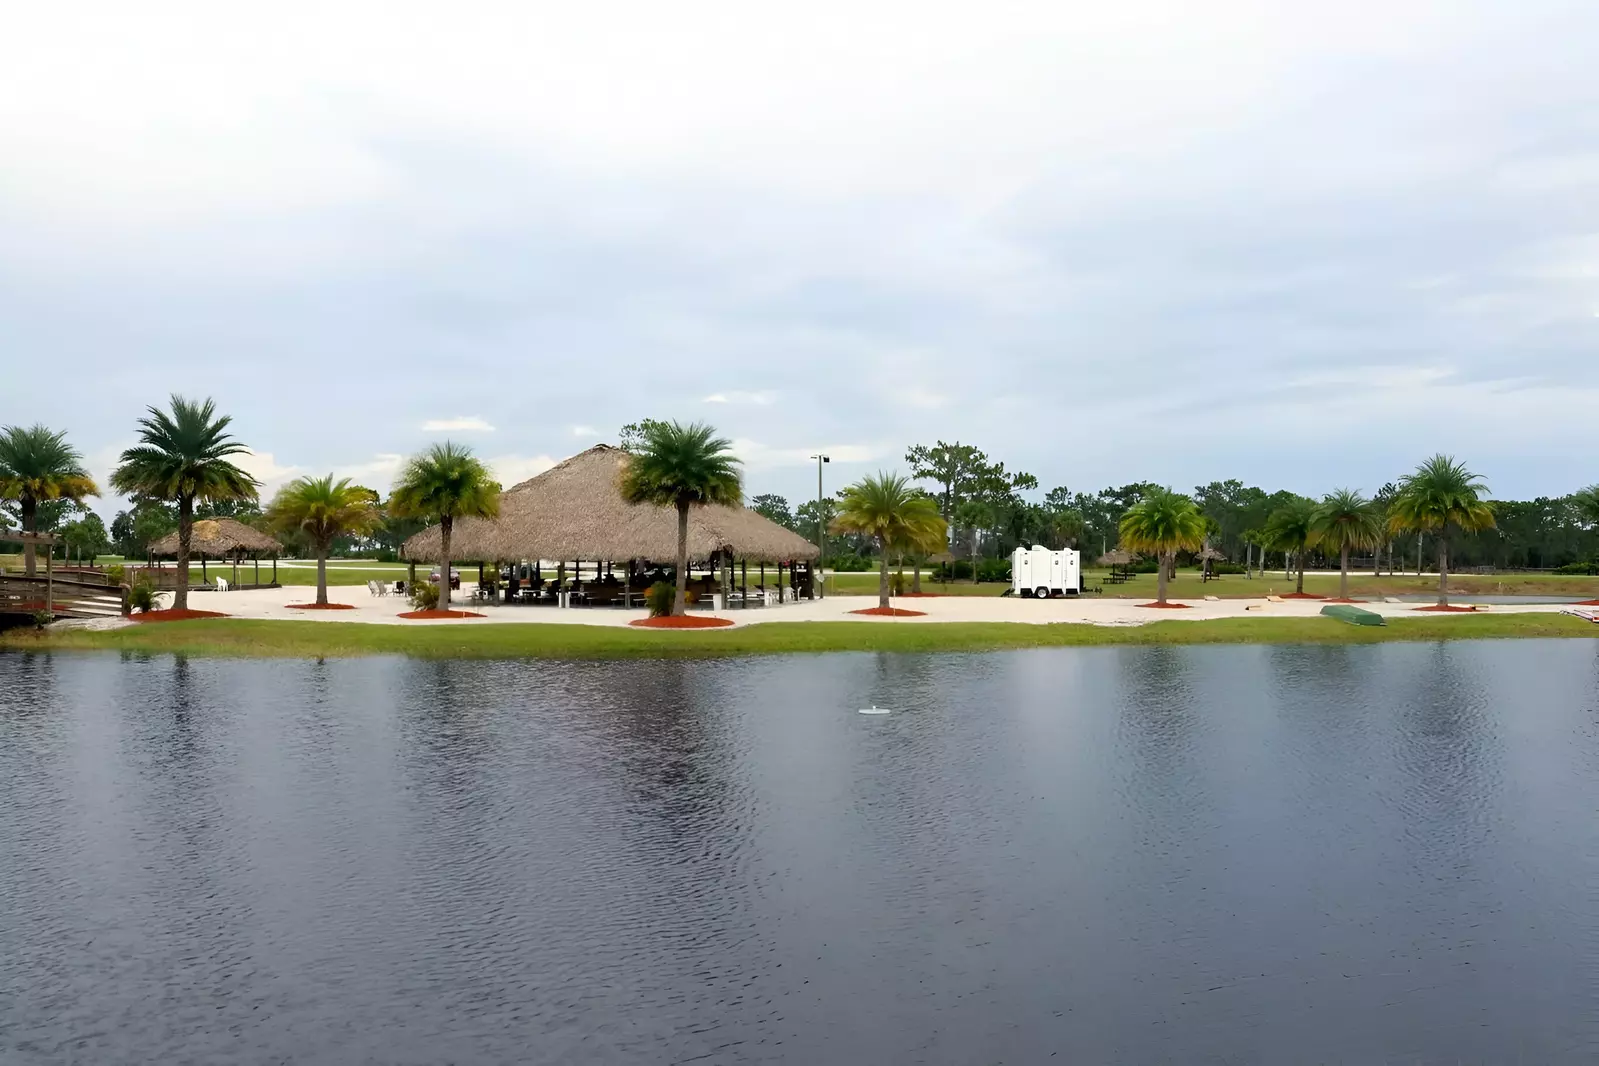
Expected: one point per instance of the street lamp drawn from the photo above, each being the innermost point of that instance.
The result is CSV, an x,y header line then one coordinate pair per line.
x,y
821,524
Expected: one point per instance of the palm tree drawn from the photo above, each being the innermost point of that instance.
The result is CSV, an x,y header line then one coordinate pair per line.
x,y
1292,529
1346,520
1163,522
682,467
442,484
36,466
899,516
1441,497
1587,501
323,509
183,458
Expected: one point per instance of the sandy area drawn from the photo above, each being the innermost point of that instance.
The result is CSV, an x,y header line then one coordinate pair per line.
x,y
385,610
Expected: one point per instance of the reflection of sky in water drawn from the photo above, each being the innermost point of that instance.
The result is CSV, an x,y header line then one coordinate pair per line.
x,y
1117,854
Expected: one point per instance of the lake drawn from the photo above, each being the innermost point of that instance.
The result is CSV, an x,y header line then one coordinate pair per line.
x,y
1285,854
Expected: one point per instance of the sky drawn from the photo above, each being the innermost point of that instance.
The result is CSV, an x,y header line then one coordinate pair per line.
x,y
1305,245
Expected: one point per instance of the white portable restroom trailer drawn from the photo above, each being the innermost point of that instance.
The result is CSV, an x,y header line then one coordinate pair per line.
x,y
1042,573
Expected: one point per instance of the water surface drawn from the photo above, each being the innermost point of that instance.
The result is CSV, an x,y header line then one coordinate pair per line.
x,y
1232,854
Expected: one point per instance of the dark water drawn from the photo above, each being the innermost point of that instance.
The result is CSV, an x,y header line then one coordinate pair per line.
x,y
1242,855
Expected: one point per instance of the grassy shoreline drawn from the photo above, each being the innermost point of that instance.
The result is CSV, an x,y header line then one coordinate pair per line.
x,y
296,639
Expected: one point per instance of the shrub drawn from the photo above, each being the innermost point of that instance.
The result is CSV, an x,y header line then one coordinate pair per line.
x,y
116,573
42,618
897,584
850,563
660,597
424,595
1218,568
1578,568
141,595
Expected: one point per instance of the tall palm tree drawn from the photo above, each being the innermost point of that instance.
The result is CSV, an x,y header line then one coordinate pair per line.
x,y
889,509
1441,497
1163,523
442,484
1346,520
682,467
324,509
1292,529
1587,501
36,466
183,458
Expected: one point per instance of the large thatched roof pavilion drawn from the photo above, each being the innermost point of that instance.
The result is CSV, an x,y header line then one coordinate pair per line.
x,y
575,510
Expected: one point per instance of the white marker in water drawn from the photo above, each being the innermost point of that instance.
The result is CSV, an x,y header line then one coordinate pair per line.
x,y
875,709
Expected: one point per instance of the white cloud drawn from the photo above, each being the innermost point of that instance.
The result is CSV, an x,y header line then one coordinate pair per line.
x,y
585,431
458,424
922,398
764,398
511,470
376,473
265,468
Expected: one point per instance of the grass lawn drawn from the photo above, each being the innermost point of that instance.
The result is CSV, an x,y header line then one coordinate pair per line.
x,y
239,637
1236,586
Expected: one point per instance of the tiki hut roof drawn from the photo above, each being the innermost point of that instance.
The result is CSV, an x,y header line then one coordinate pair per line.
x,y
1117,557
575,510
1212,554
218,537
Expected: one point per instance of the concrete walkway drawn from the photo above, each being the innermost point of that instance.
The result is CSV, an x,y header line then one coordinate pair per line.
x,y
385,610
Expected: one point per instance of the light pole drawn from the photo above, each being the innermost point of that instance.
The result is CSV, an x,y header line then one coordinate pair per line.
x,y
821,525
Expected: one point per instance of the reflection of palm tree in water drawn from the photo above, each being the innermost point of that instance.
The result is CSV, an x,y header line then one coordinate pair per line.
x,y
1450,761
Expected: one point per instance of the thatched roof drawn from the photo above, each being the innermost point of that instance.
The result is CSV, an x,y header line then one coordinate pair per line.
x,y
1117,557
218,537
575,510
1212,554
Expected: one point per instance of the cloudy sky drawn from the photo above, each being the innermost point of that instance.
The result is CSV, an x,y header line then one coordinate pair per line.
x,y
1301,244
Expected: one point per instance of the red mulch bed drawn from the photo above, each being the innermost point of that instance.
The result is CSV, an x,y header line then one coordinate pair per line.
x,y
1450,608
685,621
891,612
1303,596
426,615
1586,603
321,606
171,615
1168,606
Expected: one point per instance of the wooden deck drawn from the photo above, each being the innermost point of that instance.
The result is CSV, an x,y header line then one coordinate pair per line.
x,y
66,597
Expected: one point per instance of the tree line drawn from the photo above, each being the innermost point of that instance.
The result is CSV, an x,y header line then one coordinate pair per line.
x,y
181,472
991,510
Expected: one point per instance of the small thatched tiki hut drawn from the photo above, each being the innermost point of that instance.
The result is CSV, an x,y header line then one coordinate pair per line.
x,y
1117,557
223,538
575,511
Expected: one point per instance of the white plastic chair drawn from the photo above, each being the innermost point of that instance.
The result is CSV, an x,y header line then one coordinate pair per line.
x,y
372,587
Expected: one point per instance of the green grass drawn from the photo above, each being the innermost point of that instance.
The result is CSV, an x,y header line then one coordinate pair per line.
x,y
251,638
1236,586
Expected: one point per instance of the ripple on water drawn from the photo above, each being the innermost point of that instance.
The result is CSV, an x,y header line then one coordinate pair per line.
x,y
1134,854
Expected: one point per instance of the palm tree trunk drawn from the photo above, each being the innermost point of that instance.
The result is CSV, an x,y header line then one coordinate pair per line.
x,y
1443,570
882,579
1160,579
1343,574
680,601
30,524
180,595
916,574
322,575
446,527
